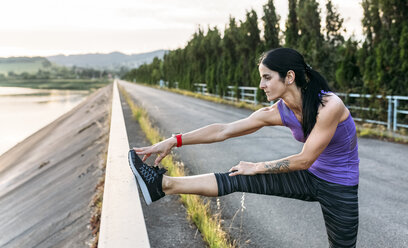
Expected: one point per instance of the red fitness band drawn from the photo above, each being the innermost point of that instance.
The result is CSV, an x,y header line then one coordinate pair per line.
x,y
179,141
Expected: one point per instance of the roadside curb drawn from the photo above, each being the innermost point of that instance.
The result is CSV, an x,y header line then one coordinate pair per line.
x,y
122,221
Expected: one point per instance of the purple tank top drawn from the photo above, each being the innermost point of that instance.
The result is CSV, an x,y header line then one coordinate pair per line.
x,y
339,162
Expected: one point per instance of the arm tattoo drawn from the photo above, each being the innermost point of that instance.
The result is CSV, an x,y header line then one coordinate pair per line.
x,y
277,167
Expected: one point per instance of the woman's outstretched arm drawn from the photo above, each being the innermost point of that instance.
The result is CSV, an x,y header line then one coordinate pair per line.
x,y
321,135
215,132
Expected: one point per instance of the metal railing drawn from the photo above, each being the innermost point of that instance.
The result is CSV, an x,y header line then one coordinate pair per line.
x,y
392,109
397,111
346,98
248,94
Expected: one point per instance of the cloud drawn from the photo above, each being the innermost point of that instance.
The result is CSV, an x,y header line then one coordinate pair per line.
x,y
48,42
128,25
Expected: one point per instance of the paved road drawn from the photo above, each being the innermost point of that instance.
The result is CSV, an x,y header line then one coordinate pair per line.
x,y
269,221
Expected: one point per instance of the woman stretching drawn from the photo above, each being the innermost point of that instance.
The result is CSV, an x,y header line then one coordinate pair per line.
x,y
326,170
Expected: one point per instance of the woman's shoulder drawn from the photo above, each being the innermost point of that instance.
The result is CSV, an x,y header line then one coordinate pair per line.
x,y
269,115
333,105
332,100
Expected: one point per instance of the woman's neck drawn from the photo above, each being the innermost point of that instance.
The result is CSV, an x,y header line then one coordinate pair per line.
x,y
293,99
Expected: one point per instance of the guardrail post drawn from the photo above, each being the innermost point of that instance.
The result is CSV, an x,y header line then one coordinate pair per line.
x,y
395,122
389,113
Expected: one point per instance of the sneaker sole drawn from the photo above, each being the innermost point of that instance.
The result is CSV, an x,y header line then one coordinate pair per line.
x,y
142,184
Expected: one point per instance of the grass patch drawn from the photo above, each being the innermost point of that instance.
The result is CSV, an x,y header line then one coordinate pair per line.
x,y
197,209
60,84
367,130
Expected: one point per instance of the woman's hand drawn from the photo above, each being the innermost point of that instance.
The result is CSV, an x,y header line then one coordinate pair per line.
x,y
244,168
161,149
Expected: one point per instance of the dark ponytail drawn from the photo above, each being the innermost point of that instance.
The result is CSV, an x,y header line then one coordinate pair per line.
x,y
312,84
312,96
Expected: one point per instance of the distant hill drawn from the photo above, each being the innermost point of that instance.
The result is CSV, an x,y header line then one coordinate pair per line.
x,y
113,60
23,64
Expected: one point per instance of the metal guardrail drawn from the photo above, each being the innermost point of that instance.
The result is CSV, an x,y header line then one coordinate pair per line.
x,y
397,111
392,109
351,107
248,94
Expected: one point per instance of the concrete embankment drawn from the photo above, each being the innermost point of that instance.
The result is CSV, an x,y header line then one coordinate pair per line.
x,y
47,181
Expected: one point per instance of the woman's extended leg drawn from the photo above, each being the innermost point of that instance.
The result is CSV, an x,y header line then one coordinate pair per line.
x,y
296,184
293,185
204,184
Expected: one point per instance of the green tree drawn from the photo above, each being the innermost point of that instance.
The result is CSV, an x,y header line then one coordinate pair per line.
x,y
271,26
348,76
333,40
311,39
371,28
230,42
334,26
292,28
403,58
380,61
212,46
249,49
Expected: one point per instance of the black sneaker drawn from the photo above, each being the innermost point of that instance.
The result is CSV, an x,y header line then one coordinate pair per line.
x,y
149,178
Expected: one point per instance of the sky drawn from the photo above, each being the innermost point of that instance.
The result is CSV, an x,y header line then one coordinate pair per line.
x,y
51,27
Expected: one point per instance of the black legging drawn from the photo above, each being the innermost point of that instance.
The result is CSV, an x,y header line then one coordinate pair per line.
x,y
339,203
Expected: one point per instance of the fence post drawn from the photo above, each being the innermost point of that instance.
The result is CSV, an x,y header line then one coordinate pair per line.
x,y
389,114
255,94
395,122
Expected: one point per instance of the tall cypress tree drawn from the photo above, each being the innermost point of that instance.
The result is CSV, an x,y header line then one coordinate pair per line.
x,y
211,44
230,42
311,39
371,28
348,76
292,28
380,56
393,18
333,40
249,48
403,58
334,26
271,26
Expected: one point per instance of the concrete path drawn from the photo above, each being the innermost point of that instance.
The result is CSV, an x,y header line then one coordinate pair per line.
x,y
268,221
